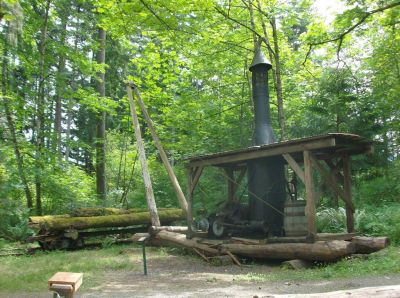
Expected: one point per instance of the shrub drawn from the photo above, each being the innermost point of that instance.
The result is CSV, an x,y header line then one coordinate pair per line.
x,y
369,221
14,221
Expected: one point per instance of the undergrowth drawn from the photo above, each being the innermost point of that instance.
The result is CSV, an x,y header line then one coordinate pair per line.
x,y
370,221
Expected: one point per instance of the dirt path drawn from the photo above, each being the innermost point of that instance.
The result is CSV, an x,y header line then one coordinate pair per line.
x,y
181,277
176,276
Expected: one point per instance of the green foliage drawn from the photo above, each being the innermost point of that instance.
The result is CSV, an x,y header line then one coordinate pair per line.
x,y
331,220
14,221
370,221
67,188
190,62
382,221
382,188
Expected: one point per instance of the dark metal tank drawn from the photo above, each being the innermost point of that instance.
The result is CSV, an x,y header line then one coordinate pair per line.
x,y
266,175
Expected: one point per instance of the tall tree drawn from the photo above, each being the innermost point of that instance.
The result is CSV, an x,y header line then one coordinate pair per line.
x,y
40,105
101,120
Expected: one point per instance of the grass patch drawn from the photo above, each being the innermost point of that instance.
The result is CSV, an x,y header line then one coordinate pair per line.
x,y
30,273
383,262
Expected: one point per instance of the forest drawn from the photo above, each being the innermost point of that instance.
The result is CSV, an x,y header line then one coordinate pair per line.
x,y
66,137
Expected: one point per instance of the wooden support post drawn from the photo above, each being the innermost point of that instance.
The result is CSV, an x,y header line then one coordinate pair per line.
x,y
151,203
310,195
189,234
231,184
178,190
347,192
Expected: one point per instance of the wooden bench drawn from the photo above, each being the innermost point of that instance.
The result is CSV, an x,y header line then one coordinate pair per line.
x,y
65,284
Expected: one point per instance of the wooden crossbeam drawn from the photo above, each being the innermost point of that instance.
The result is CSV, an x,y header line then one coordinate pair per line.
x,y
335,169
331,181
196,177
240,178
231,182
295,166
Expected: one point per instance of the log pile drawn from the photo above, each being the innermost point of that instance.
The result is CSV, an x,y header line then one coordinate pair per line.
x,y
91,218
326,250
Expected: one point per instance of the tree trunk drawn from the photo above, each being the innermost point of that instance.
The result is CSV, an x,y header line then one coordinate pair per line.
x,y
40,109
101,121
274,55
279,93
11,127
60,86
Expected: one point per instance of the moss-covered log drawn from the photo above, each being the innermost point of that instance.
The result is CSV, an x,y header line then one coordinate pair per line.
x,y
36,220
101,211
84,212
61,223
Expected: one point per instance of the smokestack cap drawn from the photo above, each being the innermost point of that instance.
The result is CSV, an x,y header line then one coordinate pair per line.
x,y
260,59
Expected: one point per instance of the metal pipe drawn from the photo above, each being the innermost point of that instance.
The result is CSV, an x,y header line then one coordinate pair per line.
x,y
266,175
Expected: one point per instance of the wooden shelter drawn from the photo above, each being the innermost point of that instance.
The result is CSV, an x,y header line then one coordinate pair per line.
x,y
329,154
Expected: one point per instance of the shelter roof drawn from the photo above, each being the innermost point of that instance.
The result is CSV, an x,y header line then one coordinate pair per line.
x,y
322,146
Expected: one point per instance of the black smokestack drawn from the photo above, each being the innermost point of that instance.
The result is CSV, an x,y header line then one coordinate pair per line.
x,y
266,175
263,133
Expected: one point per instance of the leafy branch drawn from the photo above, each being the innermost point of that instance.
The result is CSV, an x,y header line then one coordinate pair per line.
x,y
342,35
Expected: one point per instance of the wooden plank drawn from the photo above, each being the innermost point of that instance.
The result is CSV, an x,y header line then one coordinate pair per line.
x,y
278,150
233,257
335,236
201,255
246,240
231,183
347,192
331,181
67,278
295,166
197,174
151,203
335,169
310,195
157,142
240,178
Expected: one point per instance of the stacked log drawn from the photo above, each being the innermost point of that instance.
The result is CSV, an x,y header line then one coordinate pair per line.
x,y
60,223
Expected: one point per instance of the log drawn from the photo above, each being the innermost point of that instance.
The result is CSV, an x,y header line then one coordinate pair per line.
x,y
151,203
181,240
366,245
123,220
176,229
83,212
317,251
37,220
100,211
157,142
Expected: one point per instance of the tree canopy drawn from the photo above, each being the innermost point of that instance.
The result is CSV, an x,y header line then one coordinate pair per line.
x,y
64,114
